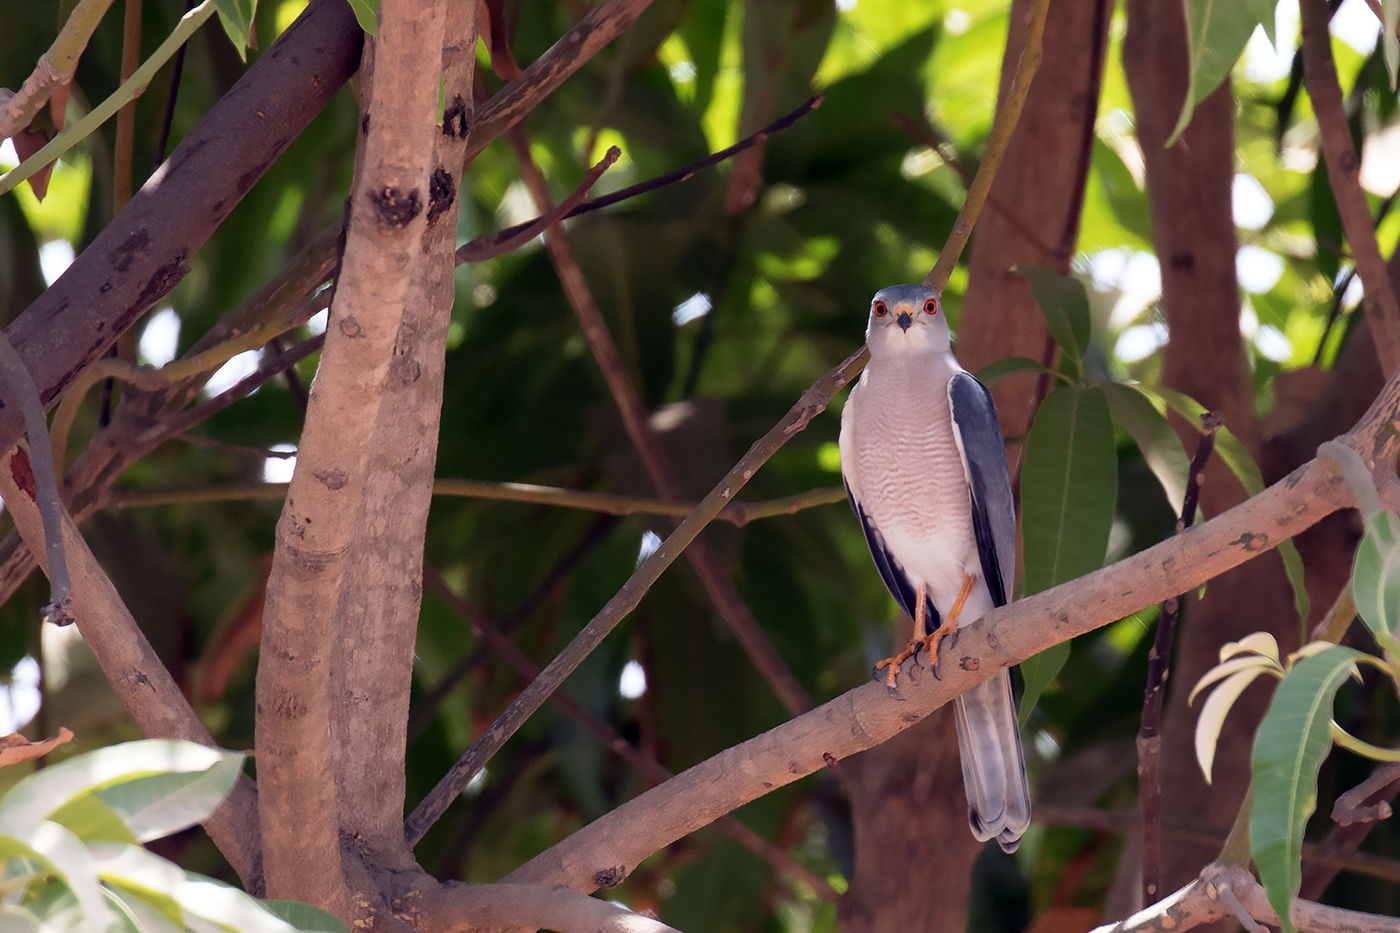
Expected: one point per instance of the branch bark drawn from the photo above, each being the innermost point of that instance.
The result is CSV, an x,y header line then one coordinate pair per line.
x,y
322,518
132,667
1343,173
611,846
452,908
146,249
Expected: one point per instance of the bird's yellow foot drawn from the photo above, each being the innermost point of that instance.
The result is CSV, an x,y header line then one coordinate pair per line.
x,y
934,639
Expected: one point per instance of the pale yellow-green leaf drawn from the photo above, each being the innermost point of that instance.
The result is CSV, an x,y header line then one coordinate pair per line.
x,y
1226,668
1258,643
1212,717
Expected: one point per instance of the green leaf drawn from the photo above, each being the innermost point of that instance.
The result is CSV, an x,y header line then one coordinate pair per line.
x,y
1237,458
1037,673
1375,576
37,795
993,373
1065,304
162,804
1217,31
1161,448
91,820
1069,487
366,14
1288,750
64,858
305,917
237,19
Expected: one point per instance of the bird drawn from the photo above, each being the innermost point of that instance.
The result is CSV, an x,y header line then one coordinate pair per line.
x,y
924,466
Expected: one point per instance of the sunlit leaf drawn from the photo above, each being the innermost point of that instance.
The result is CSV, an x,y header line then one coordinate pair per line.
x,y
1237,458
1227,668
1161,448
1217,31
1261,643
1217,707
1069,487
1390,43
1288,750
1375,576
237,19
1065,305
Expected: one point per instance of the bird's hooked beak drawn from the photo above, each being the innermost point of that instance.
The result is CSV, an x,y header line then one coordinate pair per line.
x,y
904,319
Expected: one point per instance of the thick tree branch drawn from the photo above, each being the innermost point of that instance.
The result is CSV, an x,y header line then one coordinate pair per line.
x,y
132,667
146,249
868,715
322,518
380,599
1343,173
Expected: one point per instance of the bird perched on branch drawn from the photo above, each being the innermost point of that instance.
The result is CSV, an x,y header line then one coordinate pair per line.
x,y
925,471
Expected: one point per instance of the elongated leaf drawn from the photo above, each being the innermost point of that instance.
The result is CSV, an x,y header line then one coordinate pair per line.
x,y
305,917
1226,668
162,804
37,795
1261,643
993,373
1217,707
1217,31
17,919
1069,488
1375,576
91,820
1237,458
237,19
1037,673
1161,448
1288,750
1065,304
68,861
366,14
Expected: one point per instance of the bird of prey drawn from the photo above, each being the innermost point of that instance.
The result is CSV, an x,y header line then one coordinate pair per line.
x,y
924,464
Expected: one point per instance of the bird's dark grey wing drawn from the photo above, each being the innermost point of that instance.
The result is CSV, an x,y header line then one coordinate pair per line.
x,y
890,571
984,456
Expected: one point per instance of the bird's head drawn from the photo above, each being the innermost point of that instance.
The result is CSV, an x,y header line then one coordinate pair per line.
x,y
907,319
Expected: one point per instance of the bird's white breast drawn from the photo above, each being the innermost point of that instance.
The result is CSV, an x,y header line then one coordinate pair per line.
x,y
912,483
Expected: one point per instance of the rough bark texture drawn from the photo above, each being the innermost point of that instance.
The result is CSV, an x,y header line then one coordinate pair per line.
x,y
1189,190
907,801
380,603
1033,211
146,249
322,517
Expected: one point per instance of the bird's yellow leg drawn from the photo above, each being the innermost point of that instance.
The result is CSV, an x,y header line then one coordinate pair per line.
x,y
933,639
920,637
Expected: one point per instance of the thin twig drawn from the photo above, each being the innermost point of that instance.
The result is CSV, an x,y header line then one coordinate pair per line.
x,y
1320,77
1149,739
54,69
46,497
651,769
1008,115
647,443
736,513
122,164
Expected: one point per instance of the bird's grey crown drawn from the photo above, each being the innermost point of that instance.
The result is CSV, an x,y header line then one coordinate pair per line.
x,y
892,294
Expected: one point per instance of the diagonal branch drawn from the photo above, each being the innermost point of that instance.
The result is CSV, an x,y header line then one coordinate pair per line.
x,y
1343,167
645,441
869,715
390,206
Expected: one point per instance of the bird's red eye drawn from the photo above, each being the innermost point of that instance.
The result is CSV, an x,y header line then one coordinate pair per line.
x,y
931,306
879,308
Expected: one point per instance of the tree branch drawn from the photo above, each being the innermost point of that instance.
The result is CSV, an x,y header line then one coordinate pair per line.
x,y
1222,892
55,68
868,715
322,518
132,667
1343,167
455,908
636,422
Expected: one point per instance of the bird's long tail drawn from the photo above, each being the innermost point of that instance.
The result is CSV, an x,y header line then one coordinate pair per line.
x,y
993,764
